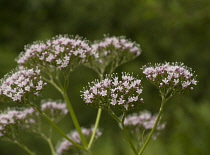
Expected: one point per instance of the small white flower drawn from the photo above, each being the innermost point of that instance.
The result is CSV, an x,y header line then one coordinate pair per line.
x,y
103,93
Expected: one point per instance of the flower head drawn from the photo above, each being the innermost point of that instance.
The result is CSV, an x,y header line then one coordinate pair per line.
x,y
142,120
171,78
141,123
54,109
123,92
21,84
59,52
12,120
66,146
114,51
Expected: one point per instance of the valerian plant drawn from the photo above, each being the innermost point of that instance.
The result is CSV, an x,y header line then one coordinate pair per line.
x,y
52,62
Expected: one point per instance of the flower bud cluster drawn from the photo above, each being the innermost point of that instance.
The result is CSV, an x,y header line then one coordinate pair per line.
x,y
28,118
142,120
115,51
66,146
171,76
20,84
60,52
123,92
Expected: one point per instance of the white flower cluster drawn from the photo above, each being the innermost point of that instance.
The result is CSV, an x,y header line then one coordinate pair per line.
x,y
16,119
54,109
124,92
142,120
175,76
65,145
22,83
26,118
60,51
115,51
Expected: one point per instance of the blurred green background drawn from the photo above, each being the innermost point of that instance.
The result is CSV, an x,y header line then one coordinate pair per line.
x,y
175,30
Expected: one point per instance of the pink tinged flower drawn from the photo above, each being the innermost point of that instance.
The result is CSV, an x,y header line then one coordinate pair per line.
x,y
125,77
39,87
115,82
113,102
193,81
82,55
130,99
103,93
125,84
137,82
176,81
130,78
114,95
119,88
50,58
94,90
139,91
59,61
106,82
98,85
86,92
88,101
185,84
90,96
165,81
121,101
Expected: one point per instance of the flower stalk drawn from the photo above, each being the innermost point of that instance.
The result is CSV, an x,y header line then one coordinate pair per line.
x,y
56,128
25,148
164,100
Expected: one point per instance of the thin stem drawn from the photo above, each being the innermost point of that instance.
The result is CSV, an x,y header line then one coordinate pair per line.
x,y
74,119
127,136
53,83
95,128
51,146
25,148
70,108
48,140
56,128
142,137
114,116
154,127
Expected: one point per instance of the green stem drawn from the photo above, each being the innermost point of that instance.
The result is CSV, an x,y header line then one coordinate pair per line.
x,y
114,116
48,140
95,128
70,108
124,129
56,128
74,119
127,136
24,147
53,83
51,146
154,127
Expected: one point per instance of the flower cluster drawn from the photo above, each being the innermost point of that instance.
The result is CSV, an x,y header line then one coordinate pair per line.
x,y
21,84
54,109
26,118
12,120
114,51
59,52
66,146
173,77
121,92
142,120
